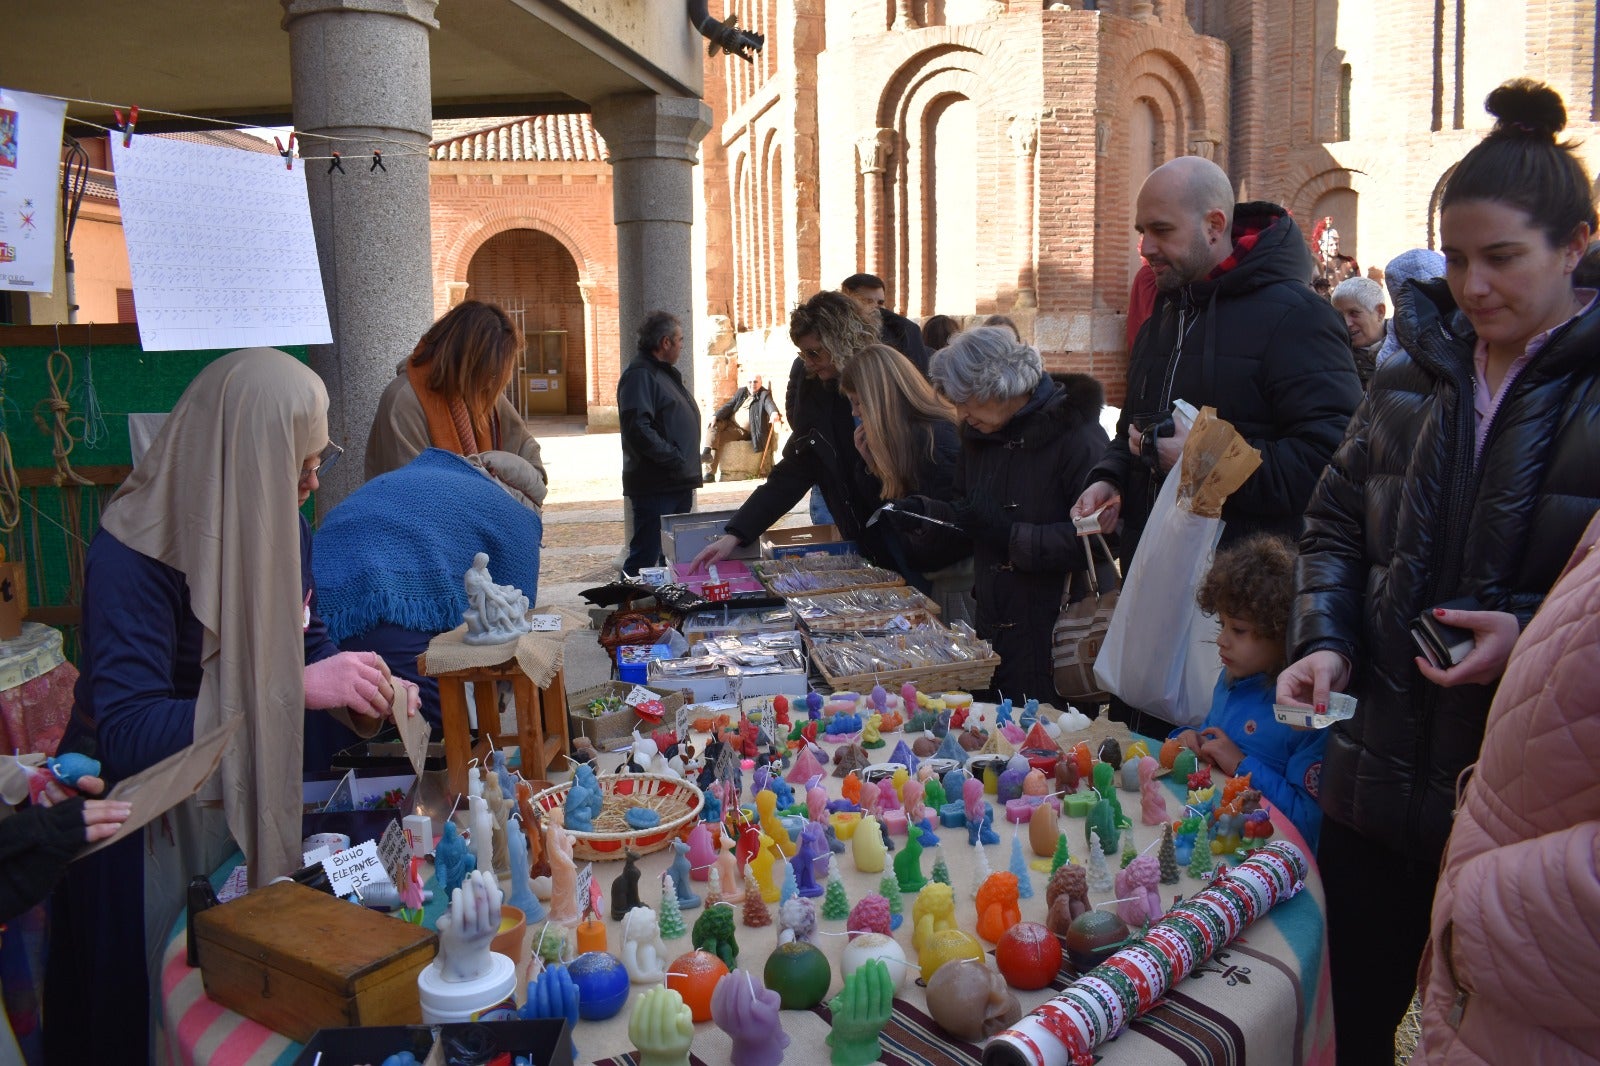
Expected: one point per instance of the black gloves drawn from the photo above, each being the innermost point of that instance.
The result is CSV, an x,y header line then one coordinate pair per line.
x,y
985,521
35,846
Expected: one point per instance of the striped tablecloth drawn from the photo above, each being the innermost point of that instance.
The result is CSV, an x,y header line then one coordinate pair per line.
x,y
1265,998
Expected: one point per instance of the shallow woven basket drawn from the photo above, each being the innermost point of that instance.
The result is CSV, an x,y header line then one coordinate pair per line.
x,y
678,803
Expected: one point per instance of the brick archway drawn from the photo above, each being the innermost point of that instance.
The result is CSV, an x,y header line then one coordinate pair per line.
x,y
452,263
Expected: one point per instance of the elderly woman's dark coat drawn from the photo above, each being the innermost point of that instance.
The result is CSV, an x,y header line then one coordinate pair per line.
x,y
1033,470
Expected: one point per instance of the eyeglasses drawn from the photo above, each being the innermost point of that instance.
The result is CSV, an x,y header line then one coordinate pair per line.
x,y
326,459
813,355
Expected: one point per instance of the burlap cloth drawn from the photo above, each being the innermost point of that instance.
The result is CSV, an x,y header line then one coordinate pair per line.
x,y
537,654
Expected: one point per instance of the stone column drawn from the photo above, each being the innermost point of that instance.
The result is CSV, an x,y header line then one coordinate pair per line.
x,y
359,71
652,141
1024,134
873,150
903,18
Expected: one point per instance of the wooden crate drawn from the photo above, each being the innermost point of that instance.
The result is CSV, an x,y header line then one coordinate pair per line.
x,y
298,960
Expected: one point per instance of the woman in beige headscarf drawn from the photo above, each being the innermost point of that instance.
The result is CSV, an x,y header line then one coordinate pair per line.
x,y
450,394
194,617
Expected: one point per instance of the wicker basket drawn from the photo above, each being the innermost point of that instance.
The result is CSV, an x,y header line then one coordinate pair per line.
x,y
678,803
940,677
615,729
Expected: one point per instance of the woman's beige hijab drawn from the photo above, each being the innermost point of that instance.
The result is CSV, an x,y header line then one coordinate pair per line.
x,y
215,498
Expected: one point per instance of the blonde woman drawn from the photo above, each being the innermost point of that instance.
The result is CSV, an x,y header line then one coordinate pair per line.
x,y
906,433
832,335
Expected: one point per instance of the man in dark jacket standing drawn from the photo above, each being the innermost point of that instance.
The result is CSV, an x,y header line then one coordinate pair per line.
x,y
1235,327
660,437
897,331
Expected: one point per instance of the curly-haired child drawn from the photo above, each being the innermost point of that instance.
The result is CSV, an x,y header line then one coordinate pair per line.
x,y
1249,589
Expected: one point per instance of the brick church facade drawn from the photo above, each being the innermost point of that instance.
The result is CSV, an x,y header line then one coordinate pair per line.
x,y
982,156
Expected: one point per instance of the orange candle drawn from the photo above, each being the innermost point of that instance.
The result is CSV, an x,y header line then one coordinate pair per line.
x,y
591,935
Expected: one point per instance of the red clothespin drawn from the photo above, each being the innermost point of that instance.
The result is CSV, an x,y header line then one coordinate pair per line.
x,y
287,153
336,164
377,162
127,127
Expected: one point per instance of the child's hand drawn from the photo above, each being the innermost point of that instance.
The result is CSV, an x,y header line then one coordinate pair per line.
x,y
1189,739
1219,751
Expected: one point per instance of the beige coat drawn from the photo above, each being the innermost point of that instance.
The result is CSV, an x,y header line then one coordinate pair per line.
x,y
400,434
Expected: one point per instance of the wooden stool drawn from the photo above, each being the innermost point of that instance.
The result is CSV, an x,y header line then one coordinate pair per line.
x,y
541,719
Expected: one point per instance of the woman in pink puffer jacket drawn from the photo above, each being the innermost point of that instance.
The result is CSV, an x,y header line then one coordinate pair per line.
x,y
1512,970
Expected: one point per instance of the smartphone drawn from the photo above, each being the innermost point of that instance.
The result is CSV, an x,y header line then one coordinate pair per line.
x,y
1444,645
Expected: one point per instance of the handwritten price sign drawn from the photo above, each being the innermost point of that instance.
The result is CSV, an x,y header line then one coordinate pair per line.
x,y
354,869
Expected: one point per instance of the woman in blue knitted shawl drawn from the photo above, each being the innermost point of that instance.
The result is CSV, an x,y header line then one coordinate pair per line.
x,y
389,559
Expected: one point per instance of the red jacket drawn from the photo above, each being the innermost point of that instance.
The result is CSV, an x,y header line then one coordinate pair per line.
x,y
1516,918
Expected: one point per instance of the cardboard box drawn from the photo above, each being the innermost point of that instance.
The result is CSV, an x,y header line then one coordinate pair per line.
x,y
683,536
803,540
298,960
545,1041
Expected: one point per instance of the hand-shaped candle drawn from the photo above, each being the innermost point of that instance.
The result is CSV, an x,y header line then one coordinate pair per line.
x,y
551,995
466,929
860,1011
662,1028
748,1013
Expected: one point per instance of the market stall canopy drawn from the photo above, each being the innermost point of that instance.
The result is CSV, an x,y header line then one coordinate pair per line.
x,y
230,58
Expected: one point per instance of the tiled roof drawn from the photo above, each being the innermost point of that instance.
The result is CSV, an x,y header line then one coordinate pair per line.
x,y
224,138
537,139
101,185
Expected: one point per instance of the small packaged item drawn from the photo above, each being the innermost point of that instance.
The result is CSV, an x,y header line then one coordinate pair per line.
x,y
1341,707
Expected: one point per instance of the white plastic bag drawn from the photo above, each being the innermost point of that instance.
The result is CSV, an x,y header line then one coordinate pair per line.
x,y
1160,651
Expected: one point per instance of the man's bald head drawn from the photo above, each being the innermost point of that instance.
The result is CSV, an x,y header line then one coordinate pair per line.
x,y
1185,216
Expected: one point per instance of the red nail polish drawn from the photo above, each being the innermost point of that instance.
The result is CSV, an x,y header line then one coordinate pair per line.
x,y
1322,708
1438,612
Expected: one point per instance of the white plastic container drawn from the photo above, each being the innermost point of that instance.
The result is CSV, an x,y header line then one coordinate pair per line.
x,y
490,998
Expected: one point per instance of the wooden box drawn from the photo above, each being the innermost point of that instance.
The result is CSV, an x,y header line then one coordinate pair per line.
x,y
298,960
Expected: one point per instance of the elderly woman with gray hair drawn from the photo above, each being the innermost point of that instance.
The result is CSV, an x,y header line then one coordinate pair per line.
x,y
1028,442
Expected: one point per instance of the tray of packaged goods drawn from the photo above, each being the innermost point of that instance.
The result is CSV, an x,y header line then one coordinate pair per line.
x,y
934,659
812,582
897,607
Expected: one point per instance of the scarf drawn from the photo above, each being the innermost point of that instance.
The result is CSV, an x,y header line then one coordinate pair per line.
x,y
451,425
215,499
394,551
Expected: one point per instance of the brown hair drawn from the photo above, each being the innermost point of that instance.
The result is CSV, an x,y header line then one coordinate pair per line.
x,y
1253,581
838,321
470,354
898,411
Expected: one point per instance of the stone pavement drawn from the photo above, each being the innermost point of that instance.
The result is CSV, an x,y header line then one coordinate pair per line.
x,y
583,530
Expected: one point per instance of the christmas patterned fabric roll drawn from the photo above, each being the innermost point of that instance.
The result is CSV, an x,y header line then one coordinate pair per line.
x,y
1066,1030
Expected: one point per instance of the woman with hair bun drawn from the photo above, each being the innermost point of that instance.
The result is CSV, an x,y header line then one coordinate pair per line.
x,y
1465,479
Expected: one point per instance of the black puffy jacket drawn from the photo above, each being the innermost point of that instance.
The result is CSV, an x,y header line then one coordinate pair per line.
x,y
1268,353
1404,520
1033,468
660,429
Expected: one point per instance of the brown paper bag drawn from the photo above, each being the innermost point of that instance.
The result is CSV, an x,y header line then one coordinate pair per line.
x,y
1216,461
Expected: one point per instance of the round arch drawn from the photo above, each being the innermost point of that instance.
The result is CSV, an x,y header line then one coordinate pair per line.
x,y
473,235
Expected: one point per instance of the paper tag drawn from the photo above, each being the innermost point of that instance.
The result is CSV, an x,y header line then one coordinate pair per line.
x,y
544,623
899,622
394,852
680,723
585,879
315,855
1088,523
354,869
639,695
237,884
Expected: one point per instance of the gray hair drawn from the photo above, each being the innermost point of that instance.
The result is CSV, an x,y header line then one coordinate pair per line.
x,y
986,363
656,330
1364,291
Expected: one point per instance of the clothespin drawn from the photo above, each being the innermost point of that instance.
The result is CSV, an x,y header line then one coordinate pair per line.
x,y
127,127
287,153
377,162
337,164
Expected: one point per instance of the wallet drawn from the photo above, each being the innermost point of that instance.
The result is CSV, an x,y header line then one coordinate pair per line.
x,y
1444,645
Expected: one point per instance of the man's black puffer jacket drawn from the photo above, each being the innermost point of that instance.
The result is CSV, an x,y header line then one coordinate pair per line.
x,y
1268,353
1404,520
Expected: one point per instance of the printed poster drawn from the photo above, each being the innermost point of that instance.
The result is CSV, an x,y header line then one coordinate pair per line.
x,y
220,247
30,174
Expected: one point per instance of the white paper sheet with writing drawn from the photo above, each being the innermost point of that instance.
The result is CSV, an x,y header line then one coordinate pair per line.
x,y
220,247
